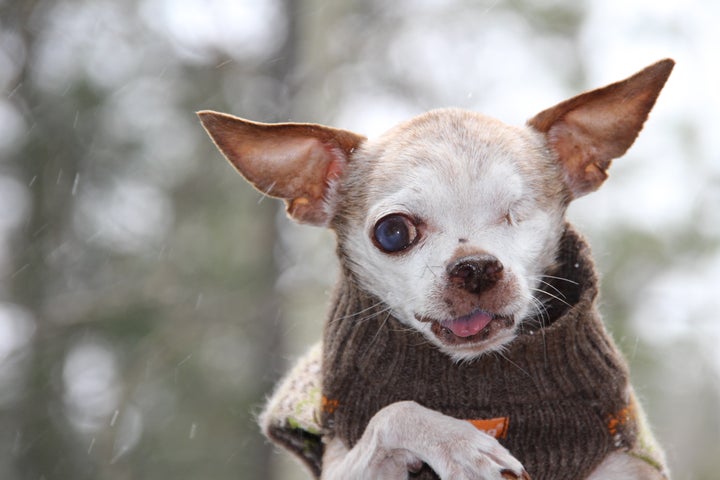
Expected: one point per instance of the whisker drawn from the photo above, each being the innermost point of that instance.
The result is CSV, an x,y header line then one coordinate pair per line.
x,y
562,300
502,355
379,329
540,308
561,279
542,320
559,292
363,311
432,269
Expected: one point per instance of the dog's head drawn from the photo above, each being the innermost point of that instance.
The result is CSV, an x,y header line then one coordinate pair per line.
x,y
451,218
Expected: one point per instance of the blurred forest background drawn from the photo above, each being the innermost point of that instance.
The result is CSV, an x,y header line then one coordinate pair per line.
x,y
149,299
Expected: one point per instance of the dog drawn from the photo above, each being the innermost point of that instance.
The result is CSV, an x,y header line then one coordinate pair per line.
x,y
463,341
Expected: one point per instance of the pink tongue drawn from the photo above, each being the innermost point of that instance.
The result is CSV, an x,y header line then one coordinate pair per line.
x,y
469,325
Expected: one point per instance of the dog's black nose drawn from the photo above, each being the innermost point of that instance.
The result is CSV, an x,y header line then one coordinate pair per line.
x,y
475,273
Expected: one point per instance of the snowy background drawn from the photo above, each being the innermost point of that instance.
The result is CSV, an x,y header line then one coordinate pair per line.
x,y
149,299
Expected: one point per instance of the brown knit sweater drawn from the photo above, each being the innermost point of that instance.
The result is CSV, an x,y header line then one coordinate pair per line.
x,y
560,391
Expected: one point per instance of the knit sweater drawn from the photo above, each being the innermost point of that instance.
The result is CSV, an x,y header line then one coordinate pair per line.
x,y
558,397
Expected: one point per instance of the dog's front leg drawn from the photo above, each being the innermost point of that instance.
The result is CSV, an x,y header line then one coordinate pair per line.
x,y
366,462
404,435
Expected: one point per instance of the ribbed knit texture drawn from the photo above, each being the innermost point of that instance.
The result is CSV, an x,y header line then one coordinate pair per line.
x,y
560,385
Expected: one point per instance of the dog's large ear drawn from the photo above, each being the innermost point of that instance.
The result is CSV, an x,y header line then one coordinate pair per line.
x,y
293,161
588,131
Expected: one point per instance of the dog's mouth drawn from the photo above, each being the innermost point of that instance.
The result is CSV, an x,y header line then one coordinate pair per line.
x,y
476,327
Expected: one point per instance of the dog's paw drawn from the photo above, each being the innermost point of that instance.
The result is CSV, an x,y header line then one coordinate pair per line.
x,y
453,448
471,454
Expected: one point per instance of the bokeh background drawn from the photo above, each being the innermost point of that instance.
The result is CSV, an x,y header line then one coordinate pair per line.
x,y
149,299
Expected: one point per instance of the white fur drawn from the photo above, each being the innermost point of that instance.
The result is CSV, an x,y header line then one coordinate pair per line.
x,y
403,435
459,193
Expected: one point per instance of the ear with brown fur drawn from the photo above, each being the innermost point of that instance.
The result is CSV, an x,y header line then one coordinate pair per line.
x,y
588,131
292,161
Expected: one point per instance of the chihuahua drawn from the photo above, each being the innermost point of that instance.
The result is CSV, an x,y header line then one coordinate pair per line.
x,y
464,339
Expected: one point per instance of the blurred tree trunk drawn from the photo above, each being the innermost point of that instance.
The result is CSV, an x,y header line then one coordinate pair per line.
x,y
47,163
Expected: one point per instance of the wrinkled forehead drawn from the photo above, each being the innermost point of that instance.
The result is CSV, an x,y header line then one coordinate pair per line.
x,y
456,150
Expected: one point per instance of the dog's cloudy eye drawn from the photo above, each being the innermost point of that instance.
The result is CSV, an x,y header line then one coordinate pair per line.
x,y
394,233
